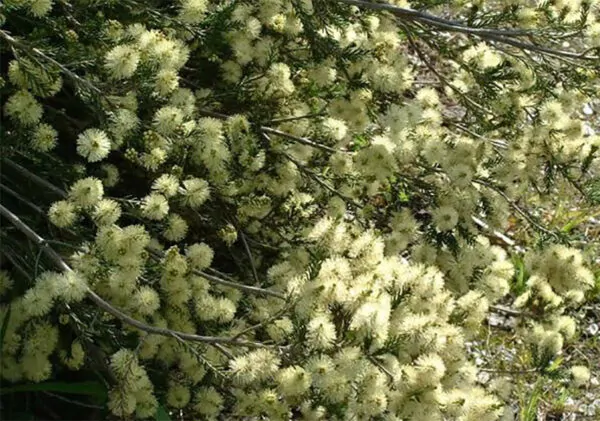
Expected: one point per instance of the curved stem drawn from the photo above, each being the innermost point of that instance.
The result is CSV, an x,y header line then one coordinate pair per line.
x,y
106,306
35,177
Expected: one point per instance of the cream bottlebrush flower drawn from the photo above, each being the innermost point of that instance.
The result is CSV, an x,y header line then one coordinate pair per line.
x,y
551,344
106,212
24,108
321,332
36,303
231,71
278,77
71,287
211,128
167,120
224,310
252,28
86,192
6,282
580,375
280,329
176,229
146,301
44,138
77,356
567,326
192,11
167,53
154,159
93,144
255,366
196,192
49,284
41,337
445,218
385,78
121,402
428,97
122,61
461,175
111,177
166,184
228,234
40,8
208,402
62,213
155,206
503,387
178,396
167,81
36,367
429,370
200,256
293,381
323,75
124,363
147,405
122,123
334,129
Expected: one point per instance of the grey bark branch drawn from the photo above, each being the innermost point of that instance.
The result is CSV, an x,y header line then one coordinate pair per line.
x,y
504,36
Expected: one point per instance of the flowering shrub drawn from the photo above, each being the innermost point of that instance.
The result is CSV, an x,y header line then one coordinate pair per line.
x,y
288,209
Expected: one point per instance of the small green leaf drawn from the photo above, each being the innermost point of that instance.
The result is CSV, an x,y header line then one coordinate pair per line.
x,y
555,365
89,388
4,325
162,414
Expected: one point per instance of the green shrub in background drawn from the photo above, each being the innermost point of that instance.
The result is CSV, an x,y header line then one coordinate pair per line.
x,y
288,209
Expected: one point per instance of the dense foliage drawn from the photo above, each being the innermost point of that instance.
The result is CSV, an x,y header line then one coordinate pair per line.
x,y
290,209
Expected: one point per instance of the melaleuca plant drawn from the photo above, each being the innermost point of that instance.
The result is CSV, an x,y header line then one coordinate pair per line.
x,y
289,209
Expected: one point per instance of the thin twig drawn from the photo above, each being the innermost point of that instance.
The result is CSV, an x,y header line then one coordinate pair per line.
x,y
35,177
322,183
382,368
17,265
21,199
198,355
250,257
73,402
35,52
261,324
270,130
224,351
506,239
518,209
156,255
294,118
302,140
506,310
443,80
500,371
495,142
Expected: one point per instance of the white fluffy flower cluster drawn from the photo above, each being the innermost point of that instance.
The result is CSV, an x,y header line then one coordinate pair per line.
x,y
558,280
398,311
134,391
